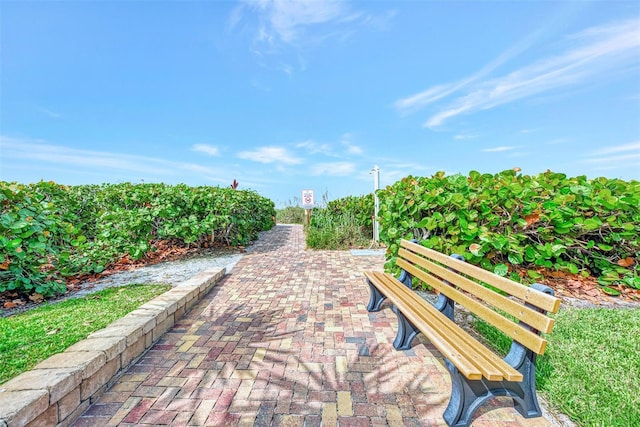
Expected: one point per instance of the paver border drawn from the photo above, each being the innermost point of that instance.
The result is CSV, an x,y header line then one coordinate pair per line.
x,y
59,389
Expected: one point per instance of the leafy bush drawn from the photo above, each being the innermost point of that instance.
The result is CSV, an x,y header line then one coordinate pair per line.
x,y
547,221
50,231
360,207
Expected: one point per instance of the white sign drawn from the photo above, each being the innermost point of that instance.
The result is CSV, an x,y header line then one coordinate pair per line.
x,y
307,199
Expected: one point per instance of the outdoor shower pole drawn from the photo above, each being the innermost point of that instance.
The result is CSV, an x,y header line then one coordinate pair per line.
x,y
376,203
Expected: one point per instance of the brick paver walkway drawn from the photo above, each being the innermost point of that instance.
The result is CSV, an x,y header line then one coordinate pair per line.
x,y
286,340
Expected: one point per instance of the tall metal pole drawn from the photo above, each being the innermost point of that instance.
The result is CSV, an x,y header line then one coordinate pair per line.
x,y
376,203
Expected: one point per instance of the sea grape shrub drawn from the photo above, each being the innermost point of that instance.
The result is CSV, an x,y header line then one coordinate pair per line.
x,y
551,221
50,231
359,207
34,234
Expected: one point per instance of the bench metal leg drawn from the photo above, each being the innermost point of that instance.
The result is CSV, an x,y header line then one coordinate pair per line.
x,y
406,332
375,299
469,395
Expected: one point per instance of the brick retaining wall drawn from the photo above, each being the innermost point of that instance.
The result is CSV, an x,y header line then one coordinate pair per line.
x,y
59,389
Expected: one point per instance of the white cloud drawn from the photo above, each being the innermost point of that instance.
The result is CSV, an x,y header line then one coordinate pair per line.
x,y
591,53
286,21
40,151
616,157
313,147
207,149
633,146
280,25
270,155
462,136
631,157
351,148
354,149
50,113
333,169
497,149
428,96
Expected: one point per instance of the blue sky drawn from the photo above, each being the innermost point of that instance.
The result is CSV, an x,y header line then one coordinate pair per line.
x,y
284,96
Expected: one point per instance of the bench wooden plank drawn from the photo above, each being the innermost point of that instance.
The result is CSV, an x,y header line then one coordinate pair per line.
x,y
546,302
466,368
492,366
450,339
531,317
511,329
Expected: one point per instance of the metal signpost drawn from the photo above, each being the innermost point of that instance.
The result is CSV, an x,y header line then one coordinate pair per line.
x,y
308,203
376,186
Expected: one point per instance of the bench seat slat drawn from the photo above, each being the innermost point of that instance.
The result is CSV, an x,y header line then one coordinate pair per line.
x,y
546,302
466,368
472,359
511,329
492,367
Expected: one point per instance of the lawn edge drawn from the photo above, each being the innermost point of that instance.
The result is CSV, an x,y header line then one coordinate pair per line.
x,y
60,388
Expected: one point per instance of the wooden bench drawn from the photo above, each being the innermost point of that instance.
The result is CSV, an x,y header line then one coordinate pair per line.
x,y
477,373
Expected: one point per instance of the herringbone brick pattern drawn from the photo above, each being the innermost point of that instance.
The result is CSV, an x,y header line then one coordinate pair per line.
x,y
286,340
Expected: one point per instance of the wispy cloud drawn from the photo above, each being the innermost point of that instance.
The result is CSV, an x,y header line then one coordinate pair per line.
x,y
617,157
207,149
462,136
270,155
633,147
285,20
333,169
41,151
433,94
352,148
497,149
590,53
313,147
283,24
50,113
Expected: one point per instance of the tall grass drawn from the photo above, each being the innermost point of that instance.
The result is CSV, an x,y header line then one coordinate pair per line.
x,y
291,215
328,231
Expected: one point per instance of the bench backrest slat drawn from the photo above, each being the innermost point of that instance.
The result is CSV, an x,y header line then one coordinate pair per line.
x,y
508,327
528,315
541,300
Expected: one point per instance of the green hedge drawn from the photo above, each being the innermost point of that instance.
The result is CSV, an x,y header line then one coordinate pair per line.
x,y
50,231
578,225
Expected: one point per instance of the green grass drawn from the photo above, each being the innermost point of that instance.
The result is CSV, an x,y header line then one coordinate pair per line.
x,y
591,370
291,215
329,232
29,338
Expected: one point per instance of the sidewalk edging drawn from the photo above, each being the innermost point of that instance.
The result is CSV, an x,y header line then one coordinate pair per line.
x,y
59,389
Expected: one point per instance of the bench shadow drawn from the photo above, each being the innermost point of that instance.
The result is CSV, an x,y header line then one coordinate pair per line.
x,y
276,369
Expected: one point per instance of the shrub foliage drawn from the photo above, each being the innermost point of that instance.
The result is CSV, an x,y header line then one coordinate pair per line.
x,y
343,224
578,225
50,231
